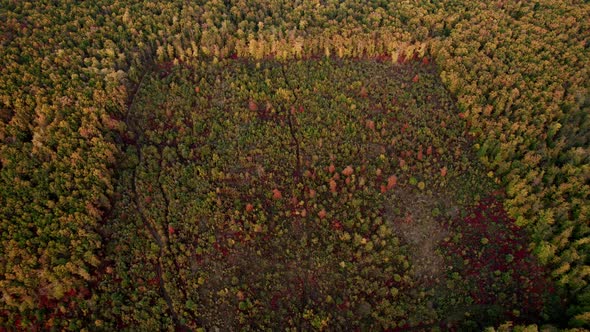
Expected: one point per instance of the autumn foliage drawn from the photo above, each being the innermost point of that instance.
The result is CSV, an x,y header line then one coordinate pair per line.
x,y
164,165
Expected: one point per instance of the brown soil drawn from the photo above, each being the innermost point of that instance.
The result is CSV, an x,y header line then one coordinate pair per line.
x,y
410,214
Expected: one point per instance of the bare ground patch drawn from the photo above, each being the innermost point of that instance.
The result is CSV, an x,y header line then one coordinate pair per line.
x,y
412,215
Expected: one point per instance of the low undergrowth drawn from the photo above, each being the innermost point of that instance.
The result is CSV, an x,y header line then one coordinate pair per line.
x,y
316,194
492,275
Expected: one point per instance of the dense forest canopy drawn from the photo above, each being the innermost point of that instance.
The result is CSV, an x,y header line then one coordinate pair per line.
x,y
158,156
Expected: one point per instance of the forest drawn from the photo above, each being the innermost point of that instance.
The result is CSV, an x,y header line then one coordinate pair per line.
x,y
306,165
